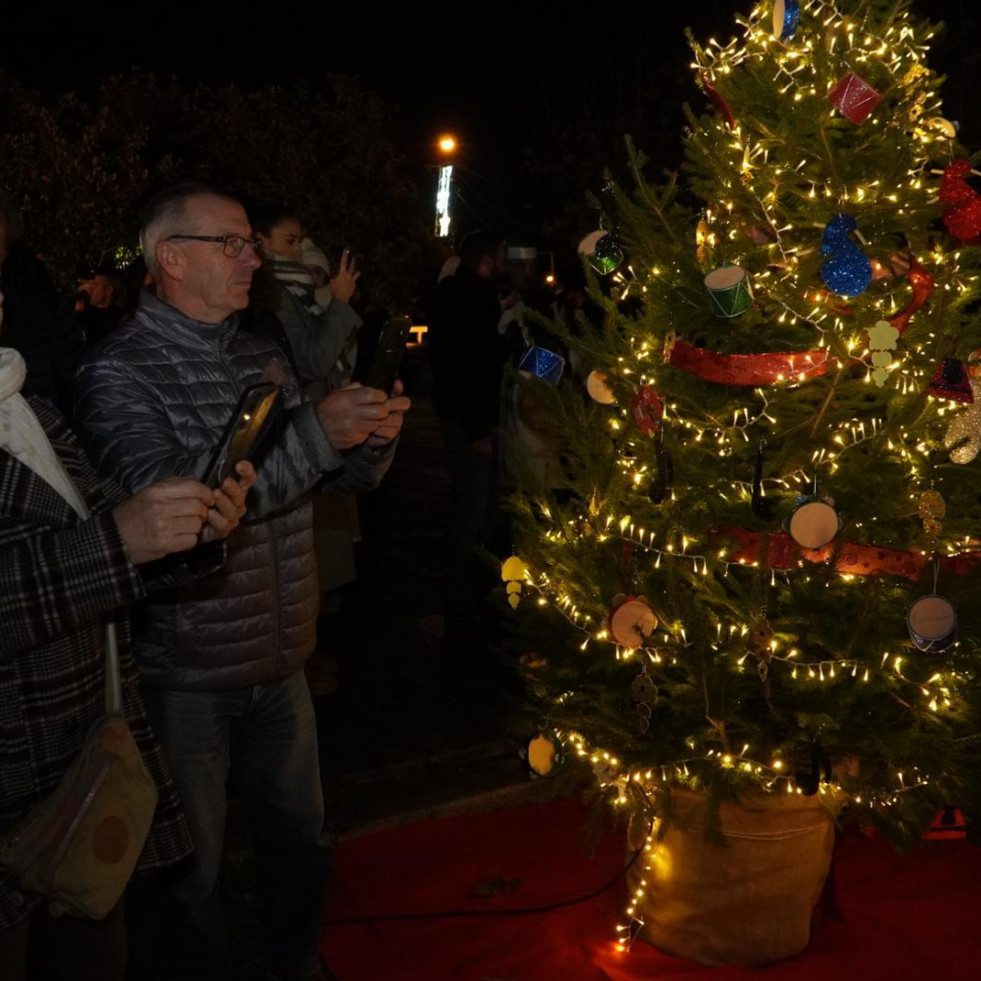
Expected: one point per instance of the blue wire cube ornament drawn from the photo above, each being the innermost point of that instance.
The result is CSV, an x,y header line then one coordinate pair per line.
x,y
847,270
544,363
786,16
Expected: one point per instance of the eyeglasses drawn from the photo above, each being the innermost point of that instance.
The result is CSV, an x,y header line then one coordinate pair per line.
x,y
232,245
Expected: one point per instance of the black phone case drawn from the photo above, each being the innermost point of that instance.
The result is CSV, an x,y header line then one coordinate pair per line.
x,y
388,356
251,421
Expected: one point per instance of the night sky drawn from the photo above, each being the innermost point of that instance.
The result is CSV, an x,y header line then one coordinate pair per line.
x,y
507,78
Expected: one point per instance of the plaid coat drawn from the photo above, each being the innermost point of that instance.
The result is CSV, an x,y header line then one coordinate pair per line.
x,y
59,578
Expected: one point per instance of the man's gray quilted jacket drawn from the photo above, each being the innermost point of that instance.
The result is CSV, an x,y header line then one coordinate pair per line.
x,y
152,402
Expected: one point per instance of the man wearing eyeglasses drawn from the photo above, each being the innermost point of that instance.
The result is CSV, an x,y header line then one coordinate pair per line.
x,y
222,666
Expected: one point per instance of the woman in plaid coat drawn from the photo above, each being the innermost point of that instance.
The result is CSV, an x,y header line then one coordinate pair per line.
x,y
70,551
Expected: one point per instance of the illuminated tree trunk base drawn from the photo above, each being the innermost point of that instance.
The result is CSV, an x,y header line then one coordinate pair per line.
x,y
745,898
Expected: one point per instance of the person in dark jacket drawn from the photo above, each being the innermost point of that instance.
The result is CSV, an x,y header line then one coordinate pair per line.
x,y
75,550
221,665
468,355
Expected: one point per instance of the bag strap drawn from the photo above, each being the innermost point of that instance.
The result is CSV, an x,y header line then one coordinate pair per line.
x,y
114,685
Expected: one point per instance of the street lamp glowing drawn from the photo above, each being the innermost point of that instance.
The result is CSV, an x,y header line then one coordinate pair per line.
x,y
447,144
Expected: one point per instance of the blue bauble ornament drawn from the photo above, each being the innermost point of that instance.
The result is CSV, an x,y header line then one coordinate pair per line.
x,y
847,270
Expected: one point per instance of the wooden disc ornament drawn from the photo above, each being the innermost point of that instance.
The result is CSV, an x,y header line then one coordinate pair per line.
x,y
932,623
814,524
599,390
942,126
544,754
786,16
631,621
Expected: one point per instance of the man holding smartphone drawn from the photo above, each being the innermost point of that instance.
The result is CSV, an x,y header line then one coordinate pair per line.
x,y
222,666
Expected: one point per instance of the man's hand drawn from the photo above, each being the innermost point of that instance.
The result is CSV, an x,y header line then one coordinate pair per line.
x,y
345,280
163,518
397,406
351,414
229,503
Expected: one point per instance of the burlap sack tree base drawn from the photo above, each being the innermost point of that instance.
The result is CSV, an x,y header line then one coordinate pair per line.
x,y
746,898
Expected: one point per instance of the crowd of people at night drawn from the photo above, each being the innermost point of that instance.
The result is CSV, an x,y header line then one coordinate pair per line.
x,y
109,416
111,408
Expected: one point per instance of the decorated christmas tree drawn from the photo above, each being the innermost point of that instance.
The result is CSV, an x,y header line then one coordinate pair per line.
x,y
760,571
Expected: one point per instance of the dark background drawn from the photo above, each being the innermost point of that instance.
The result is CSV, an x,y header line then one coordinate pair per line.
x,y
539,94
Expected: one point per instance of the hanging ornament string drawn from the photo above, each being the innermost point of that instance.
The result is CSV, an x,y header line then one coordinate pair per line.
x,y
762,508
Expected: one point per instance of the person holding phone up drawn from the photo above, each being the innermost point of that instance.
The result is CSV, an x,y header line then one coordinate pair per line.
x,y
310,318
222,664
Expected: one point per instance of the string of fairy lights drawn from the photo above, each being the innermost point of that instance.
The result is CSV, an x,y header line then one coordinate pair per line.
x,y
821,670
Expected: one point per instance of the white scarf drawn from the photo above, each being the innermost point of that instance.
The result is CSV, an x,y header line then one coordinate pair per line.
x,y
23,436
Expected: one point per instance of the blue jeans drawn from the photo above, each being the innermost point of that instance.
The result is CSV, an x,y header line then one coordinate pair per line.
x,y
265,737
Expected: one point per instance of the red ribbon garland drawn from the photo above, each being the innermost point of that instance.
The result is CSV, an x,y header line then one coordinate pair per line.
x,y
747,369
849,558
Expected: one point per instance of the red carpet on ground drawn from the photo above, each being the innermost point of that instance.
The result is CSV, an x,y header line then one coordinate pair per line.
x,y
903,917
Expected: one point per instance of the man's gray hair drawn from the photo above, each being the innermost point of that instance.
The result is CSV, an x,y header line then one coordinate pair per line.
x,y
168,214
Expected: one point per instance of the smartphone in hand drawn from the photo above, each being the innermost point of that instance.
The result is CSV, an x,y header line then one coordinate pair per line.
x,y
388,356
249,425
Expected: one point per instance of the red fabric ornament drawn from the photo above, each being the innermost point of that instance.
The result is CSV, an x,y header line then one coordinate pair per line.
x,y
854,98
950,381
962,204
922,283
748,369
720,103
780,551
648,410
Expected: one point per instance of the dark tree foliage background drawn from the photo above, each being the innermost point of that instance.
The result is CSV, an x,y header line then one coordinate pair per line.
x,y
82,168
540,96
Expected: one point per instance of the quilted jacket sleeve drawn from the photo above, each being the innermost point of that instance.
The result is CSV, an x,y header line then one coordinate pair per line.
x,y
131,437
